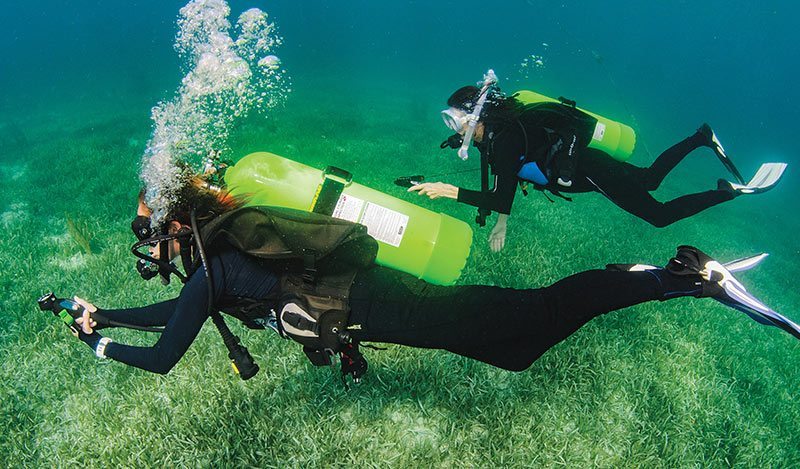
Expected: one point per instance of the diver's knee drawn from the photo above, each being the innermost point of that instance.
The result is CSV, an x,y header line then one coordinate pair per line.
x,y
518,367
656,217
659,222
517,364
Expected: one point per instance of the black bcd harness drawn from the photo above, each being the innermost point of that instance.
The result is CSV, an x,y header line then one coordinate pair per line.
x,y
565,128
316,258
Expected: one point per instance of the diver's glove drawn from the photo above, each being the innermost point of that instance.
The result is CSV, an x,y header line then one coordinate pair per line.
x,y
95,341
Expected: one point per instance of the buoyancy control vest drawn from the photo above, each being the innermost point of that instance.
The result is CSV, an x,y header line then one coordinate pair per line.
x,y
554,131
614,138
316,258
561,131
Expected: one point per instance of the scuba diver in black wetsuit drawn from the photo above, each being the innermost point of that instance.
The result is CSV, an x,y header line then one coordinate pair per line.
x,y
545,144
259,265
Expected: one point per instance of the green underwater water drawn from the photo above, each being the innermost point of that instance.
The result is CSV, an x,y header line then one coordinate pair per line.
x,y
682,383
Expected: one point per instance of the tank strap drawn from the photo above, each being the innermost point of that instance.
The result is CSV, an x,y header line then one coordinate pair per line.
x,y
567,102
327,196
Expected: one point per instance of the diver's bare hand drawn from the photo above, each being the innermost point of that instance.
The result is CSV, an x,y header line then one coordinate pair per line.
x,y
436,190
86,321
497,238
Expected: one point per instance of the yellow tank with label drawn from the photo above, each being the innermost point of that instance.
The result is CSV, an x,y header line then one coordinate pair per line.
x,y
432,246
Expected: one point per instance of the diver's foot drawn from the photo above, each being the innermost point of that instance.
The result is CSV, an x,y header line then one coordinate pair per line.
x,y
691,261
711,279
719,283
711,141
727,186
708,134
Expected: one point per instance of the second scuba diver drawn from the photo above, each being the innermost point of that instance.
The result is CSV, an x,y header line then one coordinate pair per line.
x,y
545,144
260,265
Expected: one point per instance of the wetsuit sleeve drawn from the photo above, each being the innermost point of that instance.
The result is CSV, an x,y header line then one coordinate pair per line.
x,y
191,311
152,315
500,199
506,152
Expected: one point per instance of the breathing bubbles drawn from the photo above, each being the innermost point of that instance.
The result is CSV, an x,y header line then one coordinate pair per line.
x,y
226,77
532,63
270,62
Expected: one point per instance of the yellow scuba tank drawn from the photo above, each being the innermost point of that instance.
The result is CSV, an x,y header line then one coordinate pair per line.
x,y
612,137
431,246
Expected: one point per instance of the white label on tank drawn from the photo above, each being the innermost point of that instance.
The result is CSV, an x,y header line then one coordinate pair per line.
x,y
348,208
599,132
384,224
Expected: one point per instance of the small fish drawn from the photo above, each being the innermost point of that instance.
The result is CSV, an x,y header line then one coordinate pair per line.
x,y
79,233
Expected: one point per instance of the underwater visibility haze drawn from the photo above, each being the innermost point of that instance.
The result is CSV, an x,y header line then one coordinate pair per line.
x,y
102,98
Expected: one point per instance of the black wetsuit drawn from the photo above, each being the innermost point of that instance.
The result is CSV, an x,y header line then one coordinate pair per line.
x,y
504,327
626,185
235,276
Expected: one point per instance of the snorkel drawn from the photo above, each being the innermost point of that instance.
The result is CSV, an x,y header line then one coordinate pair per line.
x,y
489,79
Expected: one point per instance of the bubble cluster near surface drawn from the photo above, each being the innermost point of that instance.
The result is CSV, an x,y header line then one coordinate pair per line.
x,y
225,79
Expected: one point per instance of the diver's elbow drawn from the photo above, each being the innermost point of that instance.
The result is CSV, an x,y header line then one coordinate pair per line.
x,y
163,368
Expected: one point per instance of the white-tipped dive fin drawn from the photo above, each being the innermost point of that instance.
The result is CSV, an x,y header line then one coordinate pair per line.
x,y
765,179
745,264
736,296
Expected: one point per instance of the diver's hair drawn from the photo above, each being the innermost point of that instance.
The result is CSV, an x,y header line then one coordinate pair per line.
x,y
205,199
498,111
